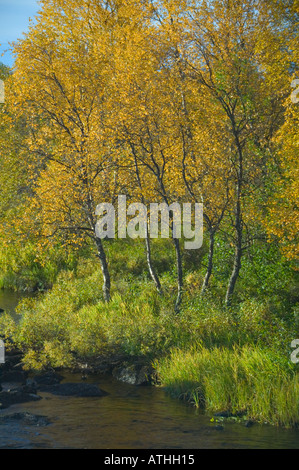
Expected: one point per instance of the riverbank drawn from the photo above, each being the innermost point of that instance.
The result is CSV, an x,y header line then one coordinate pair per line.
x,y
226,394
234,360
21,385
238,385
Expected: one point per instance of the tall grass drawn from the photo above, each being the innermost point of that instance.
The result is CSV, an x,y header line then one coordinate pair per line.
x,y
248,380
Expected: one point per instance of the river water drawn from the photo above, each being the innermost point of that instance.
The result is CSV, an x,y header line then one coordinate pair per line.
x,y
129,417
9,300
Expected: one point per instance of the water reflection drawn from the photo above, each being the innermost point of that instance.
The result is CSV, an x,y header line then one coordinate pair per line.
x,y
133,418
9,300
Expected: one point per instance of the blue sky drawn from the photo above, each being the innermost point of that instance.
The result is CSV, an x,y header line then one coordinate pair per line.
x,y
14,20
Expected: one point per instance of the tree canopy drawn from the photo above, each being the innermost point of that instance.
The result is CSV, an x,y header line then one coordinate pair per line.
x,y
162,101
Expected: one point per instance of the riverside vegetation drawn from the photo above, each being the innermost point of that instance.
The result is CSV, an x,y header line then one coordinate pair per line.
x,y
161,101
233,359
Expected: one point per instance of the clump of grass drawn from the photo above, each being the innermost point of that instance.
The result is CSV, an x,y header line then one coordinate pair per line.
x,y
256,382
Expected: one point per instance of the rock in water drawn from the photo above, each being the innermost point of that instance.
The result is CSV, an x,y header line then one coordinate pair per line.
x,y
26,418
133,374
8,398
48,378
14,376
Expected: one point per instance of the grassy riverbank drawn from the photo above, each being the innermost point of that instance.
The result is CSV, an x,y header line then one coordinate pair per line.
x,y
248,381
235,359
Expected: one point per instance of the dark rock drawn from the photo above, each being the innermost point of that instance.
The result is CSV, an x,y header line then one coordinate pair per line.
x,y
48,378
1,310
219,427
30,387
103,364
13,376
4,366
249,423
73,389
14,352
133,374
11,397
26,419
14,359
104,369
13,362
18,366
224,414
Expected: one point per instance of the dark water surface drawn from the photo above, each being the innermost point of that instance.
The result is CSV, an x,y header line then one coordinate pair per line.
x,y
9,299
132,417
129,417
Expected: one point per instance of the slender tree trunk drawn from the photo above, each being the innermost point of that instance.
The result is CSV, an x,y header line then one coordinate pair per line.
x,y
105,270
179,261
101,252
151,268
235,272
239,231
179,274
238,217
150,265
206,281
